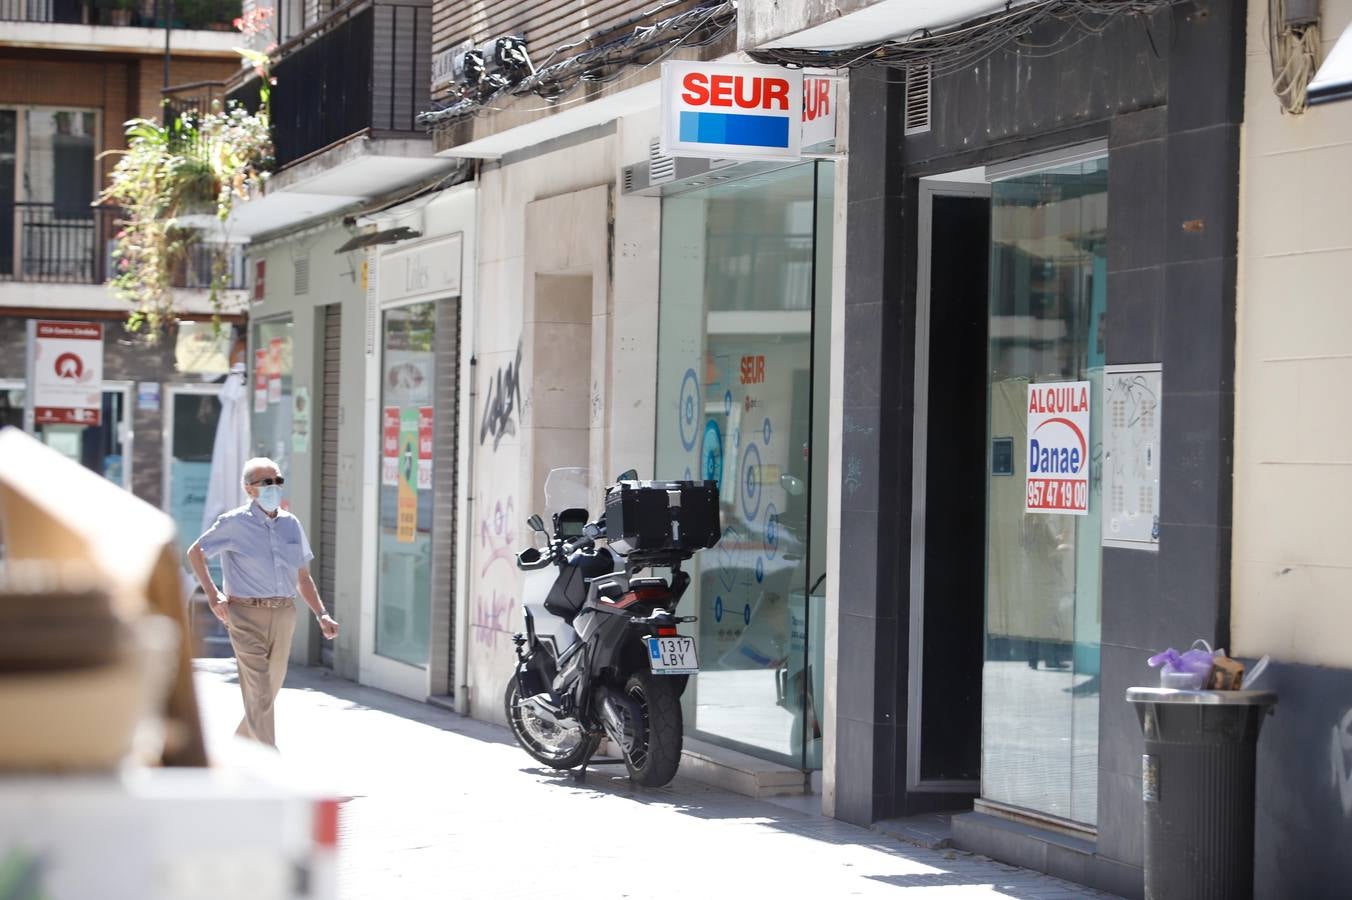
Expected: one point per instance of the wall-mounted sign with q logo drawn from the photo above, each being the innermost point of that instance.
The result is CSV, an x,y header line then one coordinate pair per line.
x,y
1058,448
68,373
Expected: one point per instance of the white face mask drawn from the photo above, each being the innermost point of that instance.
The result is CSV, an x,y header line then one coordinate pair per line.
x,y
269,497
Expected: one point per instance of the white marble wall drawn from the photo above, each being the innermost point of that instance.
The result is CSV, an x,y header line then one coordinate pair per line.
x,y
575,300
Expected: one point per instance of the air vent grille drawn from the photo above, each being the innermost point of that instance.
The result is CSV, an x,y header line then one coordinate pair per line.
x,y
918,99
661,169
300,276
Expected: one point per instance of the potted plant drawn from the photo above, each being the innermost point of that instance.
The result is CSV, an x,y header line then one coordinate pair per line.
x,y
119,12
178,179
211,15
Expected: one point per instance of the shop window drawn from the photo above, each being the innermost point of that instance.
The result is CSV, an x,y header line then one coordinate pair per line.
x,y
1048,300
744,265
407,400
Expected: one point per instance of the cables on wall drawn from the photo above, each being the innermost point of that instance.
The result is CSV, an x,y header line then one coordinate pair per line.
x,y
1293,49
953,49
643,47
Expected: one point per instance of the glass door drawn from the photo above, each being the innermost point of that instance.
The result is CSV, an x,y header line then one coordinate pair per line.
x,y
742,393
1048,298
407,400
192,412
270,390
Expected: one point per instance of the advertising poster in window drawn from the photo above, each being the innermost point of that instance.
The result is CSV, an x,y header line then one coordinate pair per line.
x,y
424,448
275,370
1058,448
389,442
408,475
260,381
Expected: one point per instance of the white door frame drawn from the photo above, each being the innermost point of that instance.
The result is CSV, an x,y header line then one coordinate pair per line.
x,y
167,434
383,672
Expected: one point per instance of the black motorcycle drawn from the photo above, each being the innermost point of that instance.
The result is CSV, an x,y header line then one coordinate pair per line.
x,y
602,654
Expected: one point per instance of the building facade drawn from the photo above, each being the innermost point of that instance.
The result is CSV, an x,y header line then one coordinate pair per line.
x,y
348,81
1289,567
674,325
1127,209
1041,228
71,75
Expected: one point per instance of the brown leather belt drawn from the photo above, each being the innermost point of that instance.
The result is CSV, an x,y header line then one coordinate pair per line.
x,y
266,602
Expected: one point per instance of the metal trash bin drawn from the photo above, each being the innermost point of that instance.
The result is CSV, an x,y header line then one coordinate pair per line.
x,y
1197,781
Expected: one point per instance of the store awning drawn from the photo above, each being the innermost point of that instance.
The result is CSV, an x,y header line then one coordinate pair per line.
x,y
1333,81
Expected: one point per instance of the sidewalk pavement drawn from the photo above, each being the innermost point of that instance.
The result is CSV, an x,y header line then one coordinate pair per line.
x,y
445,806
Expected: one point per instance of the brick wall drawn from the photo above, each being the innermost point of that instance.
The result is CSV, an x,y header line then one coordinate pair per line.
x,y
120,89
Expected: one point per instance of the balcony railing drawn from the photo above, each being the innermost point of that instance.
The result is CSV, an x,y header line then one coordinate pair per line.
x,y
364,70
42,242
199,98
196,15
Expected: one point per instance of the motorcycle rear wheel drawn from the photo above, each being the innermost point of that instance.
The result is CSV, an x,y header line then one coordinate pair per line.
x,y
655,764
555,758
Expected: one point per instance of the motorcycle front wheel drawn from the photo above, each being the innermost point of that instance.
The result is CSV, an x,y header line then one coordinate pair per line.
x,y
654,763
559,747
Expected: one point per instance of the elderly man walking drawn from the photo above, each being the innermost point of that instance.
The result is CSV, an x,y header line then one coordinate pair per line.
x,y
265,559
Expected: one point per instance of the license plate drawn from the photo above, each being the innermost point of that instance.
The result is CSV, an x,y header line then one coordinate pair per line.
x,y
673,655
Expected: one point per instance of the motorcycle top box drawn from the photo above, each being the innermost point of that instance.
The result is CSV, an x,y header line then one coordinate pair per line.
x,y
662,517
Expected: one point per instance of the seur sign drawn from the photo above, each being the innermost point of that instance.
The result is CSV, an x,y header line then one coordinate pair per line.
x,y
730,111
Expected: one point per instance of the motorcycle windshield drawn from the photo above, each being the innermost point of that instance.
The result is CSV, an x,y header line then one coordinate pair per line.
x,y
567,488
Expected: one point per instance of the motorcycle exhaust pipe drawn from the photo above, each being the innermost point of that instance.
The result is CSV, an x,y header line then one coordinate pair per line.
x,y
614,724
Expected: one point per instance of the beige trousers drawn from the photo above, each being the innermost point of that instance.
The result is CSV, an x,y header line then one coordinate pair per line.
x,y
261,637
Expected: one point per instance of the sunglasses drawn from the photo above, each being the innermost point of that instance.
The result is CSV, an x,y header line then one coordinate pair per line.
x,y
279,481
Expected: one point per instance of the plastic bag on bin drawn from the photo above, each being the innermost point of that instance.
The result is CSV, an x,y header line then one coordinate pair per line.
x,y
1188,670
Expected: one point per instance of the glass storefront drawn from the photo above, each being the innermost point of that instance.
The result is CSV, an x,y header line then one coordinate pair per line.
x,y
270,391
1048,300
742,366
407,400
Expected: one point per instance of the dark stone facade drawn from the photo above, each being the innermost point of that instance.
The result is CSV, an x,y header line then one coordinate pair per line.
x,y
1166,93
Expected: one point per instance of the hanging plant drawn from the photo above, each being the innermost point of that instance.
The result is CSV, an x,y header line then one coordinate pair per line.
x,y
193,164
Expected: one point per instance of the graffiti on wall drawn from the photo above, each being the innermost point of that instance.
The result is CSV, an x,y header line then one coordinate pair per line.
x,y
502,397
492,618
1340,757
497,535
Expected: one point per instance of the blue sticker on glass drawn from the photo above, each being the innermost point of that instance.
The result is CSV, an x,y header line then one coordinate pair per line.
x,y
746,614
718,609
727,403
760,569
771,530
751,482
766,430
712,453
687,407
